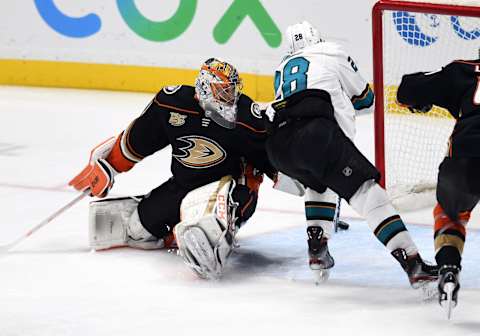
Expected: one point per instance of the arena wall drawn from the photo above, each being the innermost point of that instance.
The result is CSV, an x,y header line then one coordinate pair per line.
x,y
144,44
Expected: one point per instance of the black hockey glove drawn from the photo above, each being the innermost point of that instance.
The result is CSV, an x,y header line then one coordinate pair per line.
x,y
271,117
420,109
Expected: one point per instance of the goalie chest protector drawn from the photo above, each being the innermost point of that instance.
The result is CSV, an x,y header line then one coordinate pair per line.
x,y
202,151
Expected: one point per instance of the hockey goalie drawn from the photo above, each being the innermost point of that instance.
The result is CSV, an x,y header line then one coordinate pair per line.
x,y
218,159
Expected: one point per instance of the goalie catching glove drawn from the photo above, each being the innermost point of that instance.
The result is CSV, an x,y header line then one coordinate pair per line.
x,y
106,161
98,175
420,109
416,108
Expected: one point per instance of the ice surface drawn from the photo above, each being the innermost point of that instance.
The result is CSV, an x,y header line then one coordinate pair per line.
x,y
51,284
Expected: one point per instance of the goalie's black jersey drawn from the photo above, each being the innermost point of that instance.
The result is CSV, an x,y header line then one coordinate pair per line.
x,y
456,87
202,151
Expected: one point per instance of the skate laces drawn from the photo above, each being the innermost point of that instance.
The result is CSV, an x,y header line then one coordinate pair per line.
x,y
417,270
319,256
315,239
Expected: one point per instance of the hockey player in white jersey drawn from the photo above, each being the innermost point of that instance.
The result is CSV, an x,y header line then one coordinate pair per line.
x,y
311,126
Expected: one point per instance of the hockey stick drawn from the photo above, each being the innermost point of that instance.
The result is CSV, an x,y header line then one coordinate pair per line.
x,y
337,213
339,224
6,247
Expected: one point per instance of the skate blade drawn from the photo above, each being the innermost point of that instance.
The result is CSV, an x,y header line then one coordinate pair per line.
x,y
321,276
448,304
198,246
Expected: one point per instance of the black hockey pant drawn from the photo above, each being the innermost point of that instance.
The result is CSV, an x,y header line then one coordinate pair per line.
x,y
317,153
159,211
458,187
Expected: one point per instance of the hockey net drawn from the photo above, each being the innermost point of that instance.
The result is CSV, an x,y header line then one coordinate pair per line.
x,y
410,37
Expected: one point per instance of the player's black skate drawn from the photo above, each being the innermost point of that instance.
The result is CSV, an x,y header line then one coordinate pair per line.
x,y
419,273
320,259
448,286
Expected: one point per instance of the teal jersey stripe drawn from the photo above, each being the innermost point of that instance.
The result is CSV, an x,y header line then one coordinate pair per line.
x,y
319,213
390,230
365,102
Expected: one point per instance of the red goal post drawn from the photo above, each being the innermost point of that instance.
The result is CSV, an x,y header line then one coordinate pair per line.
x,y
401,45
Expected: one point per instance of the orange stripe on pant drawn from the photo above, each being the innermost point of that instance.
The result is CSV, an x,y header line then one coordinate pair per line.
x,y
443,222
448,232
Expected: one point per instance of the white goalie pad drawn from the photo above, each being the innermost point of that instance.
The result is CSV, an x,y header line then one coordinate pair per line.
x,y
205,235
287,184
115,223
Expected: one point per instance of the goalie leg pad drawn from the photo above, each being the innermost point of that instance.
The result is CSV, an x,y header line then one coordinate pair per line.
x,y
200,251
115,223
203,247
206,233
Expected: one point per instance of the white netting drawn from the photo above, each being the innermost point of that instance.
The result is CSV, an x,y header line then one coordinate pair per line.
x,y
415,144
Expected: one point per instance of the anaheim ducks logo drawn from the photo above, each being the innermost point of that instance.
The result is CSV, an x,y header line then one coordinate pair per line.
x,y
199,152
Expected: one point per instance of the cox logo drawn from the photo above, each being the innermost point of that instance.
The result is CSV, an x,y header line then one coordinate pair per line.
x,y
88,25
420,30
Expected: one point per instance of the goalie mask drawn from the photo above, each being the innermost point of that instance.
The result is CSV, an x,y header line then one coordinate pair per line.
x,y
218,88
301,35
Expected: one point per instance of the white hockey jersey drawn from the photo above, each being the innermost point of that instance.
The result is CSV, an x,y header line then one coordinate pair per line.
x,y
327,67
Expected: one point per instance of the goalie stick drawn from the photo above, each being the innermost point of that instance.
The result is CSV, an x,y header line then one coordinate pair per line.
x,y
6,247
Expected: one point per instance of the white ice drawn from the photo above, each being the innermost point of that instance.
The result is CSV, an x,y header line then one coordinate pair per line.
x,y
51,284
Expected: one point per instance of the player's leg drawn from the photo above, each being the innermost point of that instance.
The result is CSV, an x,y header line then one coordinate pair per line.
x,y
318,153
372,202
211,216
320,209
144,222
354,178
290,151
458,192
322,213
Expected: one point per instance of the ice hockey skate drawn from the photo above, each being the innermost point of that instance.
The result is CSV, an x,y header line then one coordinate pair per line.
x,y
320,259
448,286
420,274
